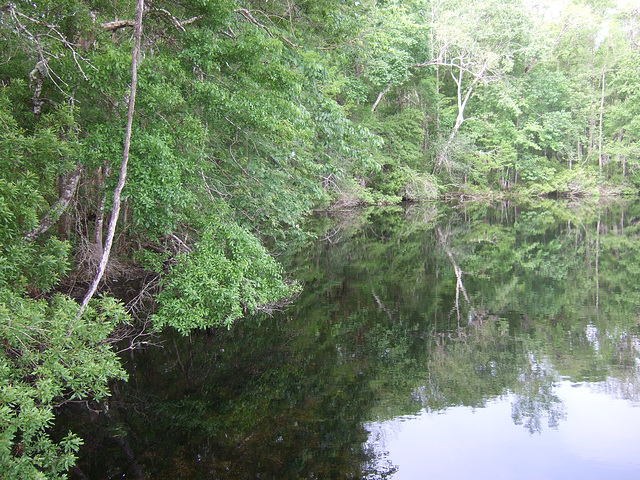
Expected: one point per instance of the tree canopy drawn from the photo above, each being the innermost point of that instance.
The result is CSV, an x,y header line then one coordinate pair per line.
x,y
164,150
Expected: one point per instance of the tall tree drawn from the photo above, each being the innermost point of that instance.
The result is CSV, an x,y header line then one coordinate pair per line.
x,y
115,213
475,43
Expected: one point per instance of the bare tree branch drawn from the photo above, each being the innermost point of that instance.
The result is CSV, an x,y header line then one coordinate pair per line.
x,y
117,25
251,19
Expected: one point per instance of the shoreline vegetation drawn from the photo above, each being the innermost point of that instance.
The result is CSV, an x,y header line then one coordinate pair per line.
x,y
458,193
156,157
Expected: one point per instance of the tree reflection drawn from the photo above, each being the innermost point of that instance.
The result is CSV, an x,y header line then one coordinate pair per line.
x,y
535,399
401,311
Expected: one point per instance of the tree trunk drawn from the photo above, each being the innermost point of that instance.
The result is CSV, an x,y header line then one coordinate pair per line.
x,y
600,159
68,185
462,103
592,127
380,96
623,158
438,102
123,168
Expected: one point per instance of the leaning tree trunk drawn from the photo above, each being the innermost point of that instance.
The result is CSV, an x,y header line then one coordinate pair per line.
x,y
137,33
68,185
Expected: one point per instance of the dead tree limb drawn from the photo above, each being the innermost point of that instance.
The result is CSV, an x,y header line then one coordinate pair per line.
x,y
117,25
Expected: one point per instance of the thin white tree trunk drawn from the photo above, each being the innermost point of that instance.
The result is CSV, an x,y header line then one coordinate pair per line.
x,y
601,160
137,33
458,271
462,104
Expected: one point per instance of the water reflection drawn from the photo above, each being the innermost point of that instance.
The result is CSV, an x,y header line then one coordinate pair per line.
x,y
497,335
597,439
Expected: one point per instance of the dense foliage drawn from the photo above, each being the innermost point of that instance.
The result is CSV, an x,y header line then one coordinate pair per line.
x,y
248,114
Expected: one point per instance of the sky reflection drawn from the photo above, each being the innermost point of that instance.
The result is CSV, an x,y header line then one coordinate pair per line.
x,y
599,437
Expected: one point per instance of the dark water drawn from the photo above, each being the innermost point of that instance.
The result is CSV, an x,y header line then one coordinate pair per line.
x,y
435,342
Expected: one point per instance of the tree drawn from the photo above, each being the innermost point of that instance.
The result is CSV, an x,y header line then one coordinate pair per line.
x,y
228,144
475,43
137,35
49,357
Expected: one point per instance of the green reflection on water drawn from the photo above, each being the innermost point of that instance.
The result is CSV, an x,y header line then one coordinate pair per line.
x,y
403,310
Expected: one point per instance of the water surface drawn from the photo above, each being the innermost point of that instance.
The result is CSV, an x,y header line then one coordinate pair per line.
x,y
473,341
596,438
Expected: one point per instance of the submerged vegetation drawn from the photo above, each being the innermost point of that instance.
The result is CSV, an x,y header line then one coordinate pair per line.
x,y
156,153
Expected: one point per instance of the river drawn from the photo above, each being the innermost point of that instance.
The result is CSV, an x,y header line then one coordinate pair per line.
x,y
436,341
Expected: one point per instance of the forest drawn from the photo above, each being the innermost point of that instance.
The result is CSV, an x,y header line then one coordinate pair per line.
x,y
158,154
